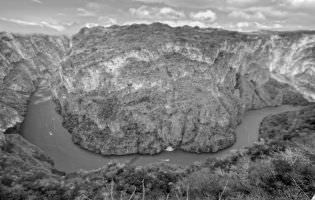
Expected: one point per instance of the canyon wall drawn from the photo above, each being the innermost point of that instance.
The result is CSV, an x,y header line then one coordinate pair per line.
x,y
141,89
144,88
25,62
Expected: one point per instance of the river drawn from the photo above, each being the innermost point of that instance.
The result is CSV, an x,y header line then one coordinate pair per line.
x,y
43,127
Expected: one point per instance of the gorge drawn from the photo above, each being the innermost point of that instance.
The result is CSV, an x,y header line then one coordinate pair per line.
x,y
43,128
144,88
69,106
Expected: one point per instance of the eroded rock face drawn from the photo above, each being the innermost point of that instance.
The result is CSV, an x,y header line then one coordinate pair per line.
x,y
141,89
25,62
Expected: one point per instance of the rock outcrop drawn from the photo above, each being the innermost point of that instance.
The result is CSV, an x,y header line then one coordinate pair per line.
x,y
143,88
25,62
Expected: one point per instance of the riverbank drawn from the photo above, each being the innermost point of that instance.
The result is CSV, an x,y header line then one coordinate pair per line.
x,y
274,170
43,127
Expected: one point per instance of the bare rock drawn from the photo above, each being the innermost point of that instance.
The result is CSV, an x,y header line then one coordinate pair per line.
x,y
25,61
143,88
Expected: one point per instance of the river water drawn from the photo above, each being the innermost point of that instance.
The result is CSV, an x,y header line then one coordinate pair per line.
x,y
43,127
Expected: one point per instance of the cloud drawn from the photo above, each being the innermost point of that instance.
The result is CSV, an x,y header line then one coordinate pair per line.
x,y
52,26
207,15
85,13
301,3
156,13
37,1
171,12
230,14
17,21
247,15
185,3
178,23
269,11
107,21
141,12
241,2
93,5
242,24
103,21
246,26
90,25
271,26
40,24
172,23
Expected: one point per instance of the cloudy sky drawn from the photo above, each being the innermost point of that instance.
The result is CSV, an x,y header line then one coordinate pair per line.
x,y
68,16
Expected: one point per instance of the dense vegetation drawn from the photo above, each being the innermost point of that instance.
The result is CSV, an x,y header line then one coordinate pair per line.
x,y
295,126
279,167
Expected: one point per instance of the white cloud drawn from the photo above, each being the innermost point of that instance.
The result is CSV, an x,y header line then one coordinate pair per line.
x,y
93,5
241,1
17,21
247,15
103,21
246,26
172,23
208,15
171,12
271,26
141,12
90,25
85,13
37,1
53,26
107,21
156,13
269,11
40,24
189,4
184,23
301,3
137,22
243,24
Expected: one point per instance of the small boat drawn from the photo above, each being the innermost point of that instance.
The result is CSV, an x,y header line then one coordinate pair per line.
x,y
169,148
50,133
166,160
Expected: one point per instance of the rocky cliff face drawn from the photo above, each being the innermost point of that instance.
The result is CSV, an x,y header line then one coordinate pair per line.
x,y
141,89
25,62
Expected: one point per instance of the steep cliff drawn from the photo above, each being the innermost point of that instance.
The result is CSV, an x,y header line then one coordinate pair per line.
x,y
143,88
25,62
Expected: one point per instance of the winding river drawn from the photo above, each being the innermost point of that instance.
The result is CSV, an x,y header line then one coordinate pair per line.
x,y
43,127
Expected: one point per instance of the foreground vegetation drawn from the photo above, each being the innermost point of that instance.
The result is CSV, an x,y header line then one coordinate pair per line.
x,y
279,167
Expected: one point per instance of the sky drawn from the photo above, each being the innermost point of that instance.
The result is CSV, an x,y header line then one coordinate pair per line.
x,y
68,16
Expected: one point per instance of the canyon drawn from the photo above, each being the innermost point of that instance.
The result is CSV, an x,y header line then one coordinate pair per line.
x,y
26,61
128,92
141,89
